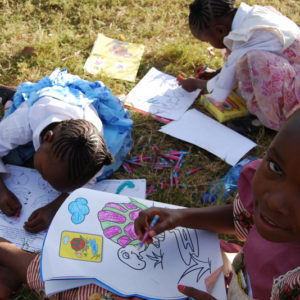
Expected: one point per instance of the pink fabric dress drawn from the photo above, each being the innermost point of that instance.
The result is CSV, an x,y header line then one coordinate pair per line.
x,y
270,83
273,268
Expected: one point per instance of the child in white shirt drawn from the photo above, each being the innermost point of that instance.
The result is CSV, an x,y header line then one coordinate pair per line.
x,y
264,59
75,127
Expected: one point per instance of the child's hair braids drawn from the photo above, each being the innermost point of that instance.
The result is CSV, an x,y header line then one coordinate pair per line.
x,y
203,11
82,146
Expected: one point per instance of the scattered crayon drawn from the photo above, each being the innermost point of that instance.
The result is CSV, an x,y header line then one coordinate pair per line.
x,y
151,190
176,179
193,171
171,180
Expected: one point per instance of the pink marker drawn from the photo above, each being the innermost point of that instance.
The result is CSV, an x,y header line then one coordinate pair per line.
x,y
193,171
151,189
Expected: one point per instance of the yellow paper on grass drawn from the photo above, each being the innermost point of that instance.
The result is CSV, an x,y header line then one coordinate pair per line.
x,y
114,59
234,107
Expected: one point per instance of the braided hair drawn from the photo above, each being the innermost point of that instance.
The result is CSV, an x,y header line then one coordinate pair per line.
x,y
204,11
82,147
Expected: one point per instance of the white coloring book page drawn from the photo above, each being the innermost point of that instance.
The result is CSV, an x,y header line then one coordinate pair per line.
x,y
160,94
92,238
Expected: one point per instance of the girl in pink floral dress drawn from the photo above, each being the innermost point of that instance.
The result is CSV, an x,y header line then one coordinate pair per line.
x,y
264,58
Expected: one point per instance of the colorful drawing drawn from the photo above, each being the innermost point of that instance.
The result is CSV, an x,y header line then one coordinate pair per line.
x,y
117,221
179,256
114,58
160,94
81,246
78,209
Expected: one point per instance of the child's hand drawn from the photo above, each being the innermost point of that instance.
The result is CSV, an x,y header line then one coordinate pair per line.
x,y
9,203
168,219
207,74
39,220
194,293
191,84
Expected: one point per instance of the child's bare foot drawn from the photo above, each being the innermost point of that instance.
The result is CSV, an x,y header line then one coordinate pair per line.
x,y
9,282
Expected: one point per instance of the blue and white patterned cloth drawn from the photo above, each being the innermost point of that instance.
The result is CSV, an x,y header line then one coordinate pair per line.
x,y
74,90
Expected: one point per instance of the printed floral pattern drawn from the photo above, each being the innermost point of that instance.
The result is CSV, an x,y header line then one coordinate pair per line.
x,y
286,292
270,83
245,220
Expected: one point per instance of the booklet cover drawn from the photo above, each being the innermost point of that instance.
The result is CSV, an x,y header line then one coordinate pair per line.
x,y
92,240
234,107
114,59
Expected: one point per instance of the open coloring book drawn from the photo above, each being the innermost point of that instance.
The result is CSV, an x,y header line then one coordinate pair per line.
x,y
92,240
34,192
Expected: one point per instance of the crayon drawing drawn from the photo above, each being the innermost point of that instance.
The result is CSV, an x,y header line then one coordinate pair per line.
x,y
78,210
117,222
179,256
81,246
160,94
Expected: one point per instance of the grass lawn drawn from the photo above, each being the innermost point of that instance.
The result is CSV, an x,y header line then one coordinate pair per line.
x,y
61,33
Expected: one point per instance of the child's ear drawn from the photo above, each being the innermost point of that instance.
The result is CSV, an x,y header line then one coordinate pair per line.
x,y
221,30
49,136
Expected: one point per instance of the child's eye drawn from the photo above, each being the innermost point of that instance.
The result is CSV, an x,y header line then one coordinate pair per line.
x,y
274,167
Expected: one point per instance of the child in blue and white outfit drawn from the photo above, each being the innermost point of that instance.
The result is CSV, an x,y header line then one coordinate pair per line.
x,y
56,98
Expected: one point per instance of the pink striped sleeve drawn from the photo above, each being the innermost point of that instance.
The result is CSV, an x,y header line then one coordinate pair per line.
x,y
243,220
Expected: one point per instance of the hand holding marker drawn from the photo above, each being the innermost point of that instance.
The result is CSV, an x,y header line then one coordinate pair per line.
x,y
153,223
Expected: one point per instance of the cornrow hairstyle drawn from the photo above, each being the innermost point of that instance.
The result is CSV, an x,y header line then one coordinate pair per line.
x,y
83,148
204,11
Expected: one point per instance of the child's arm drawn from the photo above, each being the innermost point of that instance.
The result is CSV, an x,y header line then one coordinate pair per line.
x,y
218,219
9,203
191,84
14,131
207,74
41,218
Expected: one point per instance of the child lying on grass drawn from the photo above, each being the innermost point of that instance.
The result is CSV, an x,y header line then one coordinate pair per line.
x,y
73,126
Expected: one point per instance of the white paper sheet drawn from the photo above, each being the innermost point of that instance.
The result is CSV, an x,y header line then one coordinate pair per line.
x,y
129,187
159,94
33,193
198,129
70,252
